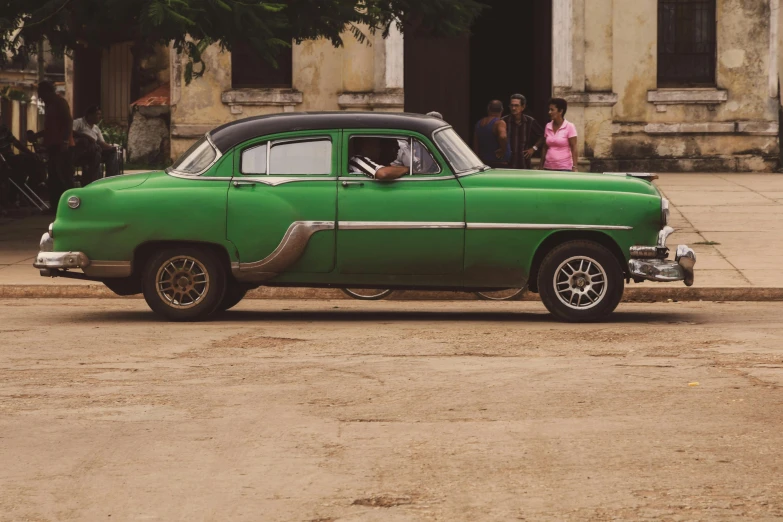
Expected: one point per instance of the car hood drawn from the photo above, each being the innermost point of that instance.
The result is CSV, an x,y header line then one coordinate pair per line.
x,y
547,180
124,181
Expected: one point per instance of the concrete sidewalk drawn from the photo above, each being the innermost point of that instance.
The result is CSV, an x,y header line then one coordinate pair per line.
x,y
733,221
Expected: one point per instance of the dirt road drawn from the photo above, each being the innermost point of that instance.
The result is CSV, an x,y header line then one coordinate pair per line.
x,y
390,411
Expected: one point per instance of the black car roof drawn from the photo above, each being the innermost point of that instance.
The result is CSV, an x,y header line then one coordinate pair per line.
x,y
231,134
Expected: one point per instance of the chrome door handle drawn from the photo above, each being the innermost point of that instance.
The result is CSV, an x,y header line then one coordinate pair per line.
x,y
349,183
238,184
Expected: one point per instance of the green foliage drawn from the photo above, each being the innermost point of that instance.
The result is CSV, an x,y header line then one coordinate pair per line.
x,y
115,134
12,94
191,25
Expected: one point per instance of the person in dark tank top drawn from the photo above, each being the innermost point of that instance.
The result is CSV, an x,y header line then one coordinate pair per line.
x,y
490,137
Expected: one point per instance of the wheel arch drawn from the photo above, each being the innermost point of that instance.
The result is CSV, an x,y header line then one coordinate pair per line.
x,y
563,236
146,250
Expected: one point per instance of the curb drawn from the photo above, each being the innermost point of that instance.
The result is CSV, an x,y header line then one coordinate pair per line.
x,y
632,294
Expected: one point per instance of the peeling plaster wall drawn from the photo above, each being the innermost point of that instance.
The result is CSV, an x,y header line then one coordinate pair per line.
x,y
599,47
745,54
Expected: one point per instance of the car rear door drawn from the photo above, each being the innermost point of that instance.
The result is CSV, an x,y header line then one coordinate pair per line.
x,y
281,204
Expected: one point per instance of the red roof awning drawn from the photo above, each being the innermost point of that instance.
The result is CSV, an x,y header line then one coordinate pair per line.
x,y
158,97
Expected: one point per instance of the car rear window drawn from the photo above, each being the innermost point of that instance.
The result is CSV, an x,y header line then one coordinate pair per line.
x,y
197,158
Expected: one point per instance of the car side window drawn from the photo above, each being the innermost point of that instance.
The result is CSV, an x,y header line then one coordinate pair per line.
x,y
423,160
288,157
254,160
367,154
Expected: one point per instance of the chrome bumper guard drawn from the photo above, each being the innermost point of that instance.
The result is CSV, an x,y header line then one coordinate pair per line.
x,y
46,260
651,263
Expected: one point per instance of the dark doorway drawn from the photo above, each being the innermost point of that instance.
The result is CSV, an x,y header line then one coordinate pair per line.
x,y
86,80
509,51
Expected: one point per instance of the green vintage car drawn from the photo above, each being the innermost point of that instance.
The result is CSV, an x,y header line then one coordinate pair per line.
x,y
278,201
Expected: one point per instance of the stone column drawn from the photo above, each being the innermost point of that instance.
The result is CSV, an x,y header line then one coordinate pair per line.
x,y
562,45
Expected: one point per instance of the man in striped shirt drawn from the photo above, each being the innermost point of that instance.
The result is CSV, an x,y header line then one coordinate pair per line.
x,y
362,163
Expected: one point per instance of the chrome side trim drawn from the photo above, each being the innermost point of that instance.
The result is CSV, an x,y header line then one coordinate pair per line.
x,y
288,252
264,180
539,226
275,181
398,225
407,177
108,269
174,174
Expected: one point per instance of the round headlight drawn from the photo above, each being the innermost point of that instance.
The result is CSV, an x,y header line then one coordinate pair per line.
x,y
664,212
74,202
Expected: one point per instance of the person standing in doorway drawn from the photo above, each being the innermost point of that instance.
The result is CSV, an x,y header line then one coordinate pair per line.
x,y
525,134
58,140
490,138
559,152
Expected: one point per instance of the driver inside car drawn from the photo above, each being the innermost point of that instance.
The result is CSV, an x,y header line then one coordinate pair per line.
x,y
366,149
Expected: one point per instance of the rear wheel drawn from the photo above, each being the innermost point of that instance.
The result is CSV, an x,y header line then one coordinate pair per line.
x,y
184,284
580,281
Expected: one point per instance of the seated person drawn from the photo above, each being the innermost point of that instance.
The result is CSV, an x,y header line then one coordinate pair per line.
x,y
91,148
367,150
22,168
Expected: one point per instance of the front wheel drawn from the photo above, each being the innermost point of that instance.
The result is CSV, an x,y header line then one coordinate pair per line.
x,y
580,281
184,284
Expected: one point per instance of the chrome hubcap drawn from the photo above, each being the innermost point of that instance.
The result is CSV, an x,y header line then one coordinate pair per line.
x,y
182,282
580,283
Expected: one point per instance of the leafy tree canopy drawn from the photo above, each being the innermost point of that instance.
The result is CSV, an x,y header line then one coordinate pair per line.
x,y
193,24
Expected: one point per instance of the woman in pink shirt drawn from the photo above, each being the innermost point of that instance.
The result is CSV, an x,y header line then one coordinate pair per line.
x,y
559,152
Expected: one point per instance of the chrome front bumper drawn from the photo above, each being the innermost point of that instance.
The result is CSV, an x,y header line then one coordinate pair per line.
x,y
651,263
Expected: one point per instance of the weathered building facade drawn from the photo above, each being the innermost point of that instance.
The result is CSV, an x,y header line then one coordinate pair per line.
x,y
655,85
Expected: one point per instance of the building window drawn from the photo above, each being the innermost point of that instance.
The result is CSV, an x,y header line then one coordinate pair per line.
x,y
250,70
686,43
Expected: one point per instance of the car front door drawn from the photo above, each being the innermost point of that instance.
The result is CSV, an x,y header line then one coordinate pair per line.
x,y
282,205
407,231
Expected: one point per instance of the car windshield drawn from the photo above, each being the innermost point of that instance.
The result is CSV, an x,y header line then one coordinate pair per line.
x,y
196,159
458,154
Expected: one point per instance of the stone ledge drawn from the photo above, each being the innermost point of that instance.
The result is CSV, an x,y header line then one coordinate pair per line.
x,y
690,128
187,131
758,128
749,128
371,100
687,96
591,99
262,97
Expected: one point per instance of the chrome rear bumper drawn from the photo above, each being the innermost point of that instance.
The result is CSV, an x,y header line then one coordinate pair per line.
x,y
57,264
651,263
